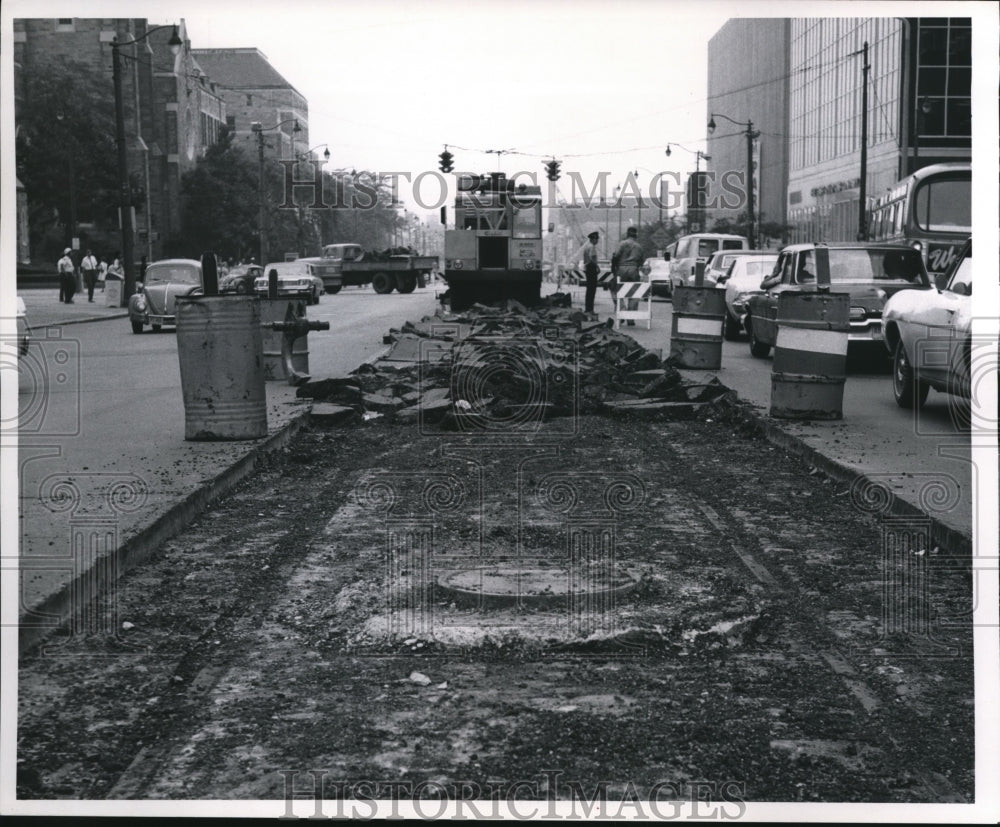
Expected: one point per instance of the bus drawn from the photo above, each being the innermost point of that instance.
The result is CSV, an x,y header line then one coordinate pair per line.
x,y
494,251
930,210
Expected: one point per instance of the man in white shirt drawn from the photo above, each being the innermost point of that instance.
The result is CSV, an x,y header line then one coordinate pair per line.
x,y
591,269
67,277
89,268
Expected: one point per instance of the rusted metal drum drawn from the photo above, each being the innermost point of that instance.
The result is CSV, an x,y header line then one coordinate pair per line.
x,y
282,310
810,356
222,374
698,316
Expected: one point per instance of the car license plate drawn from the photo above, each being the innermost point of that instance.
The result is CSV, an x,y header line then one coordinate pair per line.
x,y
877,333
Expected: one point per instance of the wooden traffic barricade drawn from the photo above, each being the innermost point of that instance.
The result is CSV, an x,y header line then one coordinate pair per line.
x,y
630,291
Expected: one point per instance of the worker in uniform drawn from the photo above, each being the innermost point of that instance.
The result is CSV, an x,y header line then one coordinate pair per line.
x,y
626,264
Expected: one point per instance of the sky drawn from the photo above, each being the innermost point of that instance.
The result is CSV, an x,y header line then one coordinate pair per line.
x,y
600,86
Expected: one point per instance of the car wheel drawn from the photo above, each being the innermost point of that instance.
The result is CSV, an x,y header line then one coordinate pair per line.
x,y
406,283
333,290
137,327
758,349
908,391
383,283
241,288
732,329
156,328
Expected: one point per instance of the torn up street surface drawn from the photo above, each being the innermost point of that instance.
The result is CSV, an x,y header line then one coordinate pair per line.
x,y
521,557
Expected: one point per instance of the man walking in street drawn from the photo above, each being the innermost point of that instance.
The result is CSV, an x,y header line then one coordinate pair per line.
x,y
626,264
588,255
67,278
89,268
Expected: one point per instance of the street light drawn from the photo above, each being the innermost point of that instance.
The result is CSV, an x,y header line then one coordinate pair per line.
x,y
306,157
699,208
751,136
258,129
124,184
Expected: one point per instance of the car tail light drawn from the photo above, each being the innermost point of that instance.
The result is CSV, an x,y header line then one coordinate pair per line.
x,y
458,264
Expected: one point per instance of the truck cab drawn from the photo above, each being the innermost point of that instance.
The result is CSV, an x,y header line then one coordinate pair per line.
x,y
343,252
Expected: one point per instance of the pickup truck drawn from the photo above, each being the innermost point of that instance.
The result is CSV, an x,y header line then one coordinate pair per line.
x,y
388,271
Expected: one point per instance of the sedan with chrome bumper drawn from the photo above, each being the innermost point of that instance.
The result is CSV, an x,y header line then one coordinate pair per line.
x,y
155,299
929,335
869,273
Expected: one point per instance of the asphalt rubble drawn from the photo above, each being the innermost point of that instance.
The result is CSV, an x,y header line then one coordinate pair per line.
x,y
512,363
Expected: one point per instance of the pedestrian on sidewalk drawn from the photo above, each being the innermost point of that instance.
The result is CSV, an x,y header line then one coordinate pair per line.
x,y
591,269
626,263
89,268
102,271
115,269
67,277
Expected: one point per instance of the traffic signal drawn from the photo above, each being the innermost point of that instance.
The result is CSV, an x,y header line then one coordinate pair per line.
x,y
552,170
446,158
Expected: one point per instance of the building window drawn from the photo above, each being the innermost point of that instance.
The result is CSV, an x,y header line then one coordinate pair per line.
x,y
65,24
944,77
249,100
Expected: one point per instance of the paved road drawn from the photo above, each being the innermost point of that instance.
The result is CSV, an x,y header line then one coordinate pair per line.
x,y
102,460
101,411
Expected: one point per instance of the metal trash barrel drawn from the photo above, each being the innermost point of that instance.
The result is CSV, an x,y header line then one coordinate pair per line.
x,y
282,310
810,351
698,316
220,350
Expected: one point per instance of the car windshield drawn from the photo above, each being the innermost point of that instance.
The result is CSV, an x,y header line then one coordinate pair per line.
x,y
849,265
173,274
961,279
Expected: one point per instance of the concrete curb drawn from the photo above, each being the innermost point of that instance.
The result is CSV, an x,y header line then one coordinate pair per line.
x,y
943,535
44,325
138,548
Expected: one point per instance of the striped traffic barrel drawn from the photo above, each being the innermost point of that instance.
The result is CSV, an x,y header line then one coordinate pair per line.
x,y
810,351
282,310
696,327
220,350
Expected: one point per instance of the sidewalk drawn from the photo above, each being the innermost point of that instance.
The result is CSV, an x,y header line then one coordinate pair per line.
x,y
44,308
192,475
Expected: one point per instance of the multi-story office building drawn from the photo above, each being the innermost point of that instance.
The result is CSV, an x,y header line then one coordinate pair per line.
x,y
919,105
748,75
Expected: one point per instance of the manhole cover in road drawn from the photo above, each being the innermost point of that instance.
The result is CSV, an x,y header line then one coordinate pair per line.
x,y
534,587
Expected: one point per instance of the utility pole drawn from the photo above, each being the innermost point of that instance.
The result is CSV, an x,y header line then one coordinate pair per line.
x,y
124,187
258,128
124,182
863,189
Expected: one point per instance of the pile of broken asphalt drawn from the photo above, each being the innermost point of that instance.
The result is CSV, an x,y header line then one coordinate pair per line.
x,y
512,366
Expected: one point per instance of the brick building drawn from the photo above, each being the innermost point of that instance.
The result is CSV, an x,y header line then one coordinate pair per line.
x,y
172,110
254,91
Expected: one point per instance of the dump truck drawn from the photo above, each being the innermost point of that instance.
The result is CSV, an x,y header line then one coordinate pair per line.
x,y
394,269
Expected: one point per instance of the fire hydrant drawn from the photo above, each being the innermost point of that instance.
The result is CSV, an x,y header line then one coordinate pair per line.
x,y
293,328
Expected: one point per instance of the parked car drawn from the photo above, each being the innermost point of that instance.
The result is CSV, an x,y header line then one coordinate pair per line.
x,y
23,328
870,273
295,278
929,335
741,281
240,279
155,298
719,264
690,250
